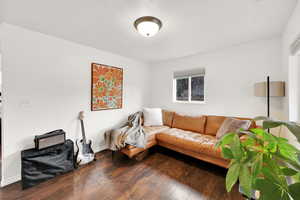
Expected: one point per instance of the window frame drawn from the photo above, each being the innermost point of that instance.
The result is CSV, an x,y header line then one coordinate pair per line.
x,y
189,89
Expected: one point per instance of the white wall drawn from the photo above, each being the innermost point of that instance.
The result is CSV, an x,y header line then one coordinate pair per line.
x,y
230,77
46,82
1,12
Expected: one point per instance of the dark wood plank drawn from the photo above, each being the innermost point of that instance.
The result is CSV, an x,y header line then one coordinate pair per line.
x,y
163,174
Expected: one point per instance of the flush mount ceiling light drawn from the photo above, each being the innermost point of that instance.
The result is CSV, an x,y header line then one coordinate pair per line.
x,y
147,26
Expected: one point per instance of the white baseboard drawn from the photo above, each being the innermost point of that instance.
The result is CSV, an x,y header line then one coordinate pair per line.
x,y
100,148
10,180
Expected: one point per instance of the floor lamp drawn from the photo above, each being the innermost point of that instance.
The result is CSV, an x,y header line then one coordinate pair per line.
x,y
269,89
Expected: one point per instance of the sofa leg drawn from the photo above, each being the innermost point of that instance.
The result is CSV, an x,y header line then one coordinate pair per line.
x,y
141,156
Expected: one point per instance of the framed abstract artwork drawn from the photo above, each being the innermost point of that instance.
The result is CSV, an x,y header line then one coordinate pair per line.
x,y
107,87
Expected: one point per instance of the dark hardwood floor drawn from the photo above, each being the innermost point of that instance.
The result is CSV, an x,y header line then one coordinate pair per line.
x,y
163,175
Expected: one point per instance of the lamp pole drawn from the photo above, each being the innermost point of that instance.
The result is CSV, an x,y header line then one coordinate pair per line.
x,y
268,96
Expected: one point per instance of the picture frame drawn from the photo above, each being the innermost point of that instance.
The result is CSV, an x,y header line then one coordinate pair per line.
x,y
106,87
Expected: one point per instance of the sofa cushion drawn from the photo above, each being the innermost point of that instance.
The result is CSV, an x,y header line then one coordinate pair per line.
x,y
213,123
252,125
168,117
152,117
150,132
189,123
191,141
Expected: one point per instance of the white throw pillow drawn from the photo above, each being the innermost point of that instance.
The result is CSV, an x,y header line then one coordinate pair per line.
x,y
152,117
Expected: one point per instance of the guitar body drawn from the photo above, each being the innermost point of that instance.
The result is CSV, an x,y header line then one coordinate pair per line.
x,y
85,153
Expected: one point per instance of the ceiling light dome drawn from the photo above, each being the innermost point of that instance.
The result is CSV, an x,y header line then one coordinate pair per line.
x,y
147,26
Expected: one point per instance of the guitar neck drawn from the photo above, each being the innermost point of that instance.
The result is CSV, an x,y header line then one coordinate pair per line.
x,y
83,132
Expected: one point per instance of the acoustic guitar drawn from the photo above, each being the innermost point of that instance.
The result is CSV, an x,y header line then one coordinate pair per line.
x,y
85,153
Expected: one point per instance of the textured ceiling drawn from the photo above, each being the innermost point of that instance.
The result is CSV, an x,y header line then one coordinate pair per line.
x,y
189,27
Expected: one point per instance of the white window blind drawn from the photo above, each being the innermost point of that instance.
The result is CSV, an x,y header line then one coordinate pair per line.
x,y
191,72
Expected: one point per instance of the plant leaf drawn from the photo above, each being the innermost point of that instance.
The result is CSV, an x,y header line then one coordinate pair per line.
x,y
257,165
245,180
272,172
227,153
258,131
263,134
247,133
267,140
287,160
281,139
270,191
272,124
288,171
232,175
227,138
260,118
236,147
288,151
295,191
296,177
250,141
292,126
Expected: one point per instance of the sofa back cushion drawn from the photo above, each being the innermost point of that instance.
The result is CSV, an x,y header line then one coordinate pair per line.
x,y
213,123
168,117
189,123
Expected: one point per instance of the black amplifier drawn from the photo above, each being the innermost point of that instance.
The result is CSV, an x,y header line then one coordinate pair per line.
x,y
50,139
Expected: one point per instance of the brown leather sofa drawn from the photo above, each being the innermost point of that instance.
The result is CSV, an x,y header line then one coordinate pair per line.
x,y
193,136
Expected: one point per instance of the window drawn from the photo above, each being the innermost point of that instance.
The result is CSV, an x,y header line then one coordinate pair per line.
x,y
197,87
189,86
182,89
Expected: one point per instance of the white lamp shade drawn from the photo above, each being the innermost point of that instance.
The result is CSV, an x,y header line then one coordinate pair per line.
x,y
277,89
147,28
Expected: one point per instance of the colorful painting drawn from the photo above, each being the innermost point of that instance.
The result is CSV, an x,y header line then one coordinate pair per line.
x,y
107,86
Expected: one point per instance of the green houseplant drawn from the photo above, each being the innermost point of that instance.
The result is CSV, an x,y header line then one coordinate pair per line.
x,y
263,162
